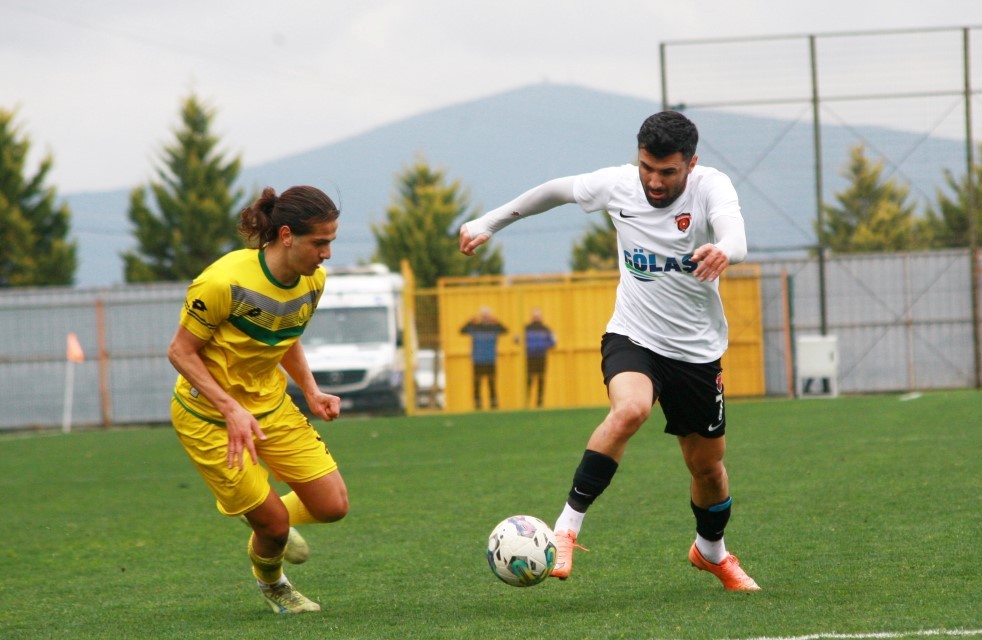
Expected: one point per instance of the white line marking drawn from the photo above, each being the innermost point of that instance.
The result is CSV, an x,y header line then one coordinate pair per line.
x,y
963,633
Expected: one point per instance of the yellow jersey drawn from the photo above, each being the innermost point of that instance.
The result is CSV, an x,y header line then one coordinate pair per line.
x,y
248,320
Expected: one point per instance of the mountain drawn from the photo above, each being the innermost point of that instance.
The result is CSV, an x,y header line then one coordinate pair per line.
x,y
499,146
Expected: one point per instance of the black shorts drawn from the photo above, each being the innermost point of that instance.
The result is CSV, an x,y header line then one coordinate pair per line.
x,y
691,395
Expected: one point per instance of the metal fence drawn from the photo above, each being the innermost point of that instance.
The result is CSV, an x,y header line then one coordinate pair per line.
x,y
903,322
124,333
910,99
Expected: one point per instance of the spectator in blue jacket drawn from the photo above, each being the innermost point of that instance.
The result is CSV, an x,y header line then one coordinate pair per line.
x,y
538,340
484,330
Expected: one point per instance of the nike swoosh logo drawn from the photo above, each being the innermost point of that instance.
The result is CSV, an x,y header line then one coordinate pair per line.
x,y
621,212
714,427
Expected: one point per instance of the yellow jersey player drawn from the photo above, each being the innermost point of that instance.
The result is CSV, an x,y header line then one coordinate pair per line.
x,y
242,320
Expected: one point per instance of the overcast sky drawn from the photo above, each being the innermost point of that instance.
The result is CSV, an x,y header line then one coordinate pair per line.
x,y
99,83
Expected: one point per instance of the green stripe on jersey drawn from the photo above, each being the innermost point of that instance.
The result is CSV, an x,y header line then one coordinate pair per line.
x,y
261,334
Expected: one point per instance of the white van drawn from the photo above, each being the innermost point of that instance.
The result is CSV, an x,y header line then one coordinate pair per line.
x,y
354,340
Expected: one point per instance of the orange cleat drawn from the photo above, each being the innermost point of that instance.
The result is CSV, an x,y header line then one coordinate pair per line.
x,y
565,544
729,572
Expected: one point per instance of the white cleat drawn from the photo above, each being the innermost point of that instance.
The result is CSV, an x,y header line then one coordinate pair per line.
x,y
283,598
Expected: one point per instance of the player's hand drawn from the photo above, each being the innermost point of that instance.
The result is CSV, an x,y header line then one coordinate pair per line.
x,y
711,262
324,405
242,426
469,244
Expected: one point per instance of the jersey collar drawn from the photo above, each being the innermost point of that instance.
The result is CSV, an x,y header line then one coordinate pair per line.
x,y
269,275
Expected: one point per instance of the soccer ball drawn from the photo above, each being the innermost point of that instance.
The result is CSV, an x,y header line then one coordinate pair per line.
x,y
522,551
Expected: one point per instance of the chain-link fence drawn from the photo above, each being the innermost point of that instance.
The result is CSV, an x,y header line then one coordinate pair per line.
x,y
908,98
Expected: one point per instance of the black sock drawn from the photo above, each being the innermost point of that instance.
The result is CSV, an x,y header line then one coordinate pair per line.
x,y
591,478
711,522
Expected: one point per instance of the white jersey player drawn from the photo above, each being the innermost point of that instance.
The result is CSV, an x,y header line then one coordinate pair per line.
x,y
678,227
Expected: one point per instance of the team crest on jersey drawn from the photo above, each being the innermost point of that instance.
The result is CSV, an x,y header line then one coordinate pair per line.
x,y
303,314
683,220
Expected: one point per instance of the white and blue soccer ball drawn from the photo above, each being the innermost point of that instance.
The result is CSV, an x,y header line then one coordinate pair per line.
x,y
522,551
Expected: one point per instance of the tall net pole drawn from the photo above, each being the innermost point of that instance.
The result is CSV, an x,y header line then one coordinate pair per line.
x,y
970,200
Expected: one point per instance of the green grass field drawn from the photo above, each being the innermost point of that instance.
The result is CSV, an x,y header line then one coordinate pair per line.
x,y
856,515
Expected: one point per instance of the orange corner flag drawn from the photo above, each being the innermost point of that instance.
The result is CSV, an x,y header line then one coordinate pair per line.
x,y
74,353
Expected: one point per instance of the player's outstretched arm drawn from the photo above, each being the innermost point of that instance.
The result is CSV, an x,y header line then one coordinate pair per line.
x,y
536,200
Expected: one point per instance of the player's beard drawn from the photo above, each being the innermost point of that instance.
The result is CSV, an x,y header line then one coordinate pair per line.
x,y
668,198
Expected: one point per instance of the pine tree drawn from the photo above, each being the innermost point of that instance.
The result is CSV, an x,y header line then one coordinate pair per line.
x,y
873,213
34,249
197,207
423,224
947,225
596,250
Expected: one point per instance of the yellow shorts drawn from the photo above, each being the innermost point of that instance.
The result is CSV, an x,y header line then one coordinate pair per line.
x,y
293,451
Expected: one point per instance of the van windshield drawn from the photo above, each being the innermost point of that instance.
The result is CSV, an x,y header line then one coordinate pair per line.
x,y
353,325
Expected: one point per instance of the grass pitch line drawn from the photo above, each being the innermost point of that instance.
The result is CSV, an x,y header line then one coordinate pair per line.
x,y
960,633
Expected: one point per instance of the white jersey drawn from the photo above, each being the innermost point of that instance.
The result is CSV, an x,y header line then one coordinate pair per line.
x,y
660,304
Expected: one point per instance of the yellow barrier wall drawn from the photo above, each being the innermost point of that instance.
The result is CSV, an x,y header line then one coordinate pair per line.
x,y
743,363
576,307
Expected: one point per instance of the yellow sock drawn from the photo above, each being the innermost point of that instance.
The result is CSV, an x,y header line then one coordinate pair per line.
x,y
298,512
268,570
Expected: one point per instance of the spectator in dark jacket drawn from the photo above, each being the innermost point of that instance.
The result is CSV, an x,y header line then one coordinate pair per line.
x,y
484,330
538,340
